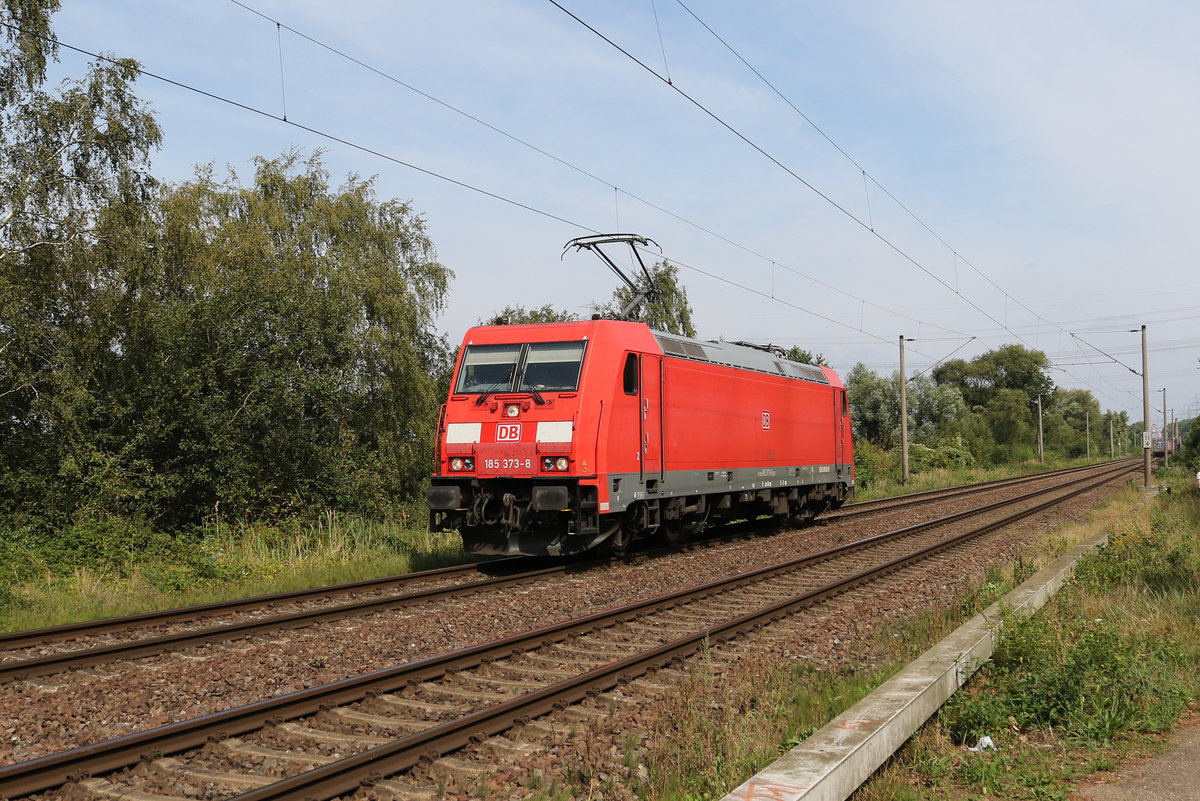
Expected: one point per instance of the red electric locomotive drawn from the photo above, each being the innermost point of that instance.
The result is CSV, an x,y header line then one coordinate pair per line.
x,y
561,437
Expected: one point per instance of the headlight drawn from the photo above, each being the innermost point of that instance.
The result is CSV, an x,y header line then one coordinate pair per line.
x,y
562,464
456,464
548,463
512,410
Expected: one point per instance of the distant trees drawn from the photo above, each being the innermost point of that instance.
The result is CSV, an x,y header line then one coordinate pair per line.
x,y
983,410
516,315
1011,367
667,308
799,354
933,410
1001,389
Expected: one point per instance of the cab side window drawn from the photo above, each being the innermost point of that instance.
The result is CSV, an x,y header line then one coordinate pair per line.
x,y
630,376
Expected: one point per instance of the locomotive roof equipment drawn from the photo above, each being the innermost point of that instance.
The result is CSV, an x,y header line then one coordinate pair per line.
x,y
593,244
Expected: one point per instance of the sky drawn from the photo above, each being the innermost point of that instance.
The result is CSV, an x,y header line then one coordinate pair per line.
x,y
832,175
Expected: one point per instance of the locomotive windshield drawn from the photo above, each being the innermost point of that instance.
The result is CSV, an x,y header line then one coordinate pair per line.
x,y
531,367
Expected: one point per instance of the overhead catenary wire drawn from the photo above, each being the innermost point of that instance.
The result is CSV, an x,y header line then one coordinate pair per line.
x,y
946,357
582,171
891,245
913,215
866,175
755,146
661,44
431,173
501,197
282,77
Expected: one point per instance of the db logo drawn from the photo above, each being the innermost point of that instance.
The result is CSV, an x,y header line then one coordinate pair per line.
x,y
508,432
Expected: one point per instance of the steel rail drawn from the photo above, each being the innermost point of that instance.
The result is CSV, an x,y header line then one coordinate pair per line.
x,y
56,769
56,663
914,498
21,639
13,640
348,774
19,669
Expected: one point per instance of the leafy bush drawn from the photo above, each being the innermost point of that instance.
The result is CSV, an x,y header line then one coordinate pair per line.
x,y
1154,560
952,454
1096,679
1092,684
872,464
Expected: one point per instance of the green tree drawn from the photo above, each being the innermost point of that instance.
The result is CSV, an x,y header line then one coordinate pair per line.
x,y
517,315
874,407
666,309
1191,447
248,352
283,345
933,409
1008,367
1079,411
972,427
1012,426
1118,424
799,354
65,157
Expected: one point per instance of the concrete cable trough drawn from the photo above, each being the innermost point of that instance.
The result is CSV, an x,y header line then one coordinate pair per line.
x,y
834,761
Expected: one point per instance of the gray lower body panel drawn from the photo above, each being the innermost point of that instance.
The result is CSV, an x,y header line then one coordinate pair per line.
x,y
628,488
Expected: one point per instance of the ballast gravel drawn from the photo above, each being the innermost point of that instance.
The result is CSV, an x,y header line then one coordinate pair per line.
x,y
55,713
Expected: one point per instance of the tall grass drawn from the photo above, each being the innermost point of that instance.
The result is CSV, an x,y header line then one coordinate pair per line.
x,y
1096,676
112,568
720,728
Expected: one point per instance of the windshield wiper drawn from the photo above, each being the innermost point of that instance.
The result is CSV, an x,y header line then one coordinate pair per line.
x,y
506,381
537,396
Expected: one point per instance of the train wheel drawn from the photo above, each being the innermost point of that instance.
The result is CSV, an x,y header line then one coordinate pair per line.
x,y
670,533
620,541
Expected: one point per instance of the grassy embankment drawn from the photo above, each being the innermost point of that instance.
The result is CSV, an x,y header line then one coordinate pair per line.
x,y
104,568
100,569
1107,667
1094,679
116,568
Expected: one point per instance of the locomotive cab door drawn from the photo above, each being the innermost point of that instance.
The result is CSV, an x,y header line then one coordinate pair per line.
x,y
650,420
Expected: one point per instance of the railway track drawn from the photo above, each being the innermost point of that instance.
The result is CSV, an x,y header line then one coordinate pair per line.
x,y
916,498
330,740
44,652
